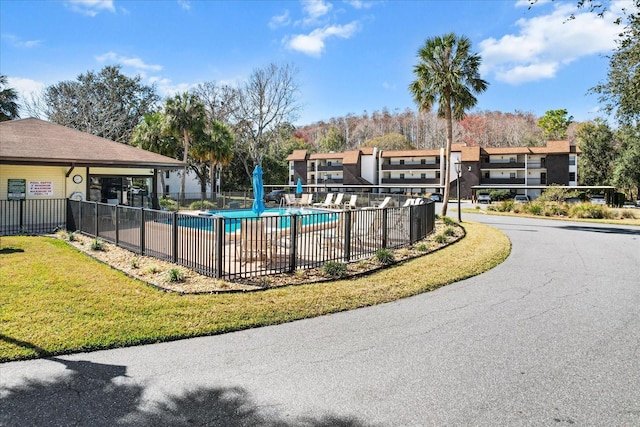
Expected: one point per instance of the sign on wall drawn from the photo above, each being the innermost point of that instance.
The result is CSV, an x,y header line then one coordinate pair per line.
x,y
40,188
17,189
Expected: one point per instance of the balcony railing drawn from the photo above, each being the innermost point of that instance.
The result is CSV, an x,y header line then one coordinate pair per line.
x,y
510,165
418,166
410,181
329,168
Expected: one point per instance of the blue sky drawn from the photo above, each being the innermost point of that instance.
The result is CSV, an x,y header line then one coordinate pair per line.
x,y
351,56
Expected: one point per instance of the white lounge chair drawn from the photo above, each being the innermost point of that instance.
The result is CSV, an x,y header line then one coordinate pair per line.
x,y
327,201
408,202
351,204
337,203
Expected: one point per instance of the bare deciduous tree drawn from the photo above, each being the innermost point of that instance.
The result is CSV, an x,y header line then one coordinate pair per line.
x,y
267,100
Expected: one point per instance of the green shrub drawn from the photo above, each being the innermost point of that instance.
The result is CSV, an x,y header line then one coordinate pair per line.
x,y
500,195
422,247
447,221
589,210
71,236
534,208
135,263
334,269
449,231
505,206
627,213
202,205
555,209
175,276
153,269
168,204
553,193
384,256
97,245
440,238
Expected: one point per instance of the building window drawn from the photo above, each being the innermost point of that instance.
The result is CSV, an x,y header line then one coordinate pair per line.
x,y
423,176
166,189
572,161
486,175
437,174
401,176
423,161
572,176
166,174
512,175
329,163
402,162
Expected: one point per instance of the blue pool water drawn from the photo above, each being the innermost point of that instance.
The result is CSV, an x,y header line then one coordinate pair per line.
x,y
234,218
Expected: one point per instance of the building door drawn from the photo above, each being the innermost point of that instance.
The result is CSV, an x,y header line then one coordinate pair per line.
x,y
543,178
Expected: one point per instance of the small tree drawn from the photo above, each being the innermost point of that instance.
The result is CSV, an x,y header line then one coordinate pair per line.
x,y
8,106
596,142
554,124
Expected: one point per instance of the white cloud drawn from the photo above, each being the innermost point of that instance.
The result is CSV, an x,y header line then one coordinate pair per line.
x,y
547,42
313,43
360,4
136,63
91,7
280,20
316,8
185,4
16,41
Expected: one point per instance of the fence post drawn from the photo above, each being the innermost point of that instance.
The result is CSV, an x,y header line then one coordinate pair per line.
x,y
174,234
220,230
411,224
142,231
96,220
20,214
385,216
347,235
117,231
294,240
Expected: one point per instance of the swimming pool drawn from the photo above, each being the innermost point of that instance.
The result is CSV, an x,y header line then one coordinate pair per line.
x,y
235,217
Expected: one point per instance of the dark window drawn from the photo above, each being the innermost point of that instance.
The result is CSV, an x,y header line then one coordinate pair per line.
x,y
423,175
512,175
423,161
401,176
572,176
486,175
166,174
166,189
402,162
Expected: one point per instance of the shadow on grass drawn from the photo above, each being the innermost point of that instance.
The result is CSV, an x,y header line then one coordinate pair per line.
x,y
6,251
95,394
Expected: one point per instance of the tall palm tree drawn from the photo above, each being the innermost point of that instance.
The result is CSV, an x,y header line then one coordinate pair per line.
x,y
216,147
151,135
185,115
8,105
447,75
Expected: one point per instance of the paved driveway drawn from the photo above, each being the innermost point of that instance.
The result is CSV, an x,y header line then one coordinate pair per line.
x,y
550,337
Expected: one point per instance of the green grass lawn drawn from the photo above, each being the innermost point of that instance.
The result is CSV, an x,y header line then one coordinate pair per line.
x,y
54,299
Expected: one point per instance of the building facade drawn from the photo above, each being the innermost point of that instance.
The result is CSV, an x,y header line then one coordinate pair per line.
x,y
521,170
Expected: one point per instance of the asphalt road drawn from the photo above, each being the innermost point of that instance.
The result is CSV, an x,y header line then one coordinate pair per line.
x,y
551,337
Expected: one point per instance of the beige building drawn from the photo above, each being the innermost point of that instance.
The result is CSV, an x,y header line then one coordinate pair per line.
x,y
42,160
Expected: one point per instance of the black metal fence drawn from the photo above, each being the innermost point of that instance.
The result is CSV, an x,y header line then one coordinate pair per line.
x,y
230,248
33,216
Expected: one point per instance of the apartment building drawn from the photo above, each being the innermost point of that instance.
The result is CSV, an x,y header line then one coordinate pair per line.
x,y
522,170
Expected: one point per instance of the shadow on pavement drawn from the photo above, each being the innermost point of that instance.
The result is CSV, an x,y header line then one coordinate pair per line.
x,y
99,395
608,230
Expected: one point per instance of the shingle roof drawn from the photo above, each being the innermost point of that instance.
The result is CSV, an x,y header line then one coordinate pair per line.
x,y
297,155
326,156
351,157
35,141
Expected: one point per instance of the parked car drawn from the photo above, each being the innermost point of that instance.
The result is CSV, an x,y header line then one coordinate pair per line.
x,y
484,198
436,197
275,196
521,198
598,200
